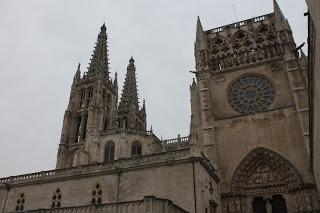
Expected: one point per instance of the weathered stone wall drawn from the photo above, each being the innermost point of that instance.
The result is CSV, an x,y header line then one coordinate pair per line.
x,y
273,71
276,130
123,142
172,180
314,8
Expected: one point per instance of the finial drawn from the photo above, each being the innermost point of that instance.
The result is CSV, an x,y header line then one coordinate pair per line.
x,y
103,28
144,104
131,60
115,81
77,76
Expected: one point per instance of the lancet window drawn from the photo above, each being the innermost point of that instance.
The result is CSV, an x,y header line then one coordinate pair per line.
x,y
109,152
136,149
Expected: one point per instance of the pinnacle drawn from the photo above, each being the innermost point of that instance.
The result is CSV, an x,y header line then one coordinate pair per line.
x,y
130,91
131,60
99,61
199,28
103,28
277,10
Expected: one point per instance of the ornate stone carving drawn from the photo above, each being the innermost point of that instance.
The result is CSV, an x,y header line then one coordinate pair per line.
x,y
234,205
276,68
251,94
263,171
304,202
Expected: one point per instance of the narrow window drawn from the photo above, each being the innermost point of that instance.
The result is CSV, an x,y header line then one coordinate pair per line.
x,y
213,206
20,203
90,93
77,133
136,149
108,107
96,195
84,130
105,123
82,97
56,199
109,152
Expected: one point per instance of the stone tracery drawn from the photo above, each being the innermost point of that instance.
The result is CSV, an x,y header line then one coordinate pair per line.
x,y
250,94
264,170
242,41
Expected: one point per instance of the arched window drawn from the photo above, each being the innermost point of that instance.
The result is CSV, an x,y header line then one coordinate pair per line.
x,y
136,149
90,92
109,152
20,202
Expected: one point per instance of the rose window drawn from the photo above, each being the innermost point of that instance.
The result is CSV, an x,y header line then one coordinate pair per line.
x,y
251,94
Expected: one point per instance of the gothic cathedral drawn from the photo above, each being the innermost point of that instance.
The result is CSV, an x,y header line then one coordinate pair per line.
x,y
247,151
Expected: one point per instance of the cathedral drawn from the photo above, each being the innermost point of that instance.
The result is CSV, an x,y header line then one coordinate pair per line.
x,y
248,149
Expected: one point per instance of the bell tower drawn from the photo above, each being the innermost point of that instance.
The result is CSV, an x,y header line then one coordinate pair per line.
x,y
92,106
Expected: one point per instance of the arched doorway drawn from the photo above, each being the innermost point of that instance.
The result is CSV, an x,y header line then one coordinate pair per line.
x,y
263,177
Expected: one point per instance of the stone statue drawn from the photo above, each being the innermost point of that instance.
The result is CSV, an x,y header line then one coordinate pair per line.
x,y
268,206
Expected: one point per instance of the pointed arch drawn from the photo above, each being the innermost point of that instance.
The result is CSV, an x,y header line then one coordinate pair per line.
x,y
265,35
219,45
109,151
136,149
263,171
242,41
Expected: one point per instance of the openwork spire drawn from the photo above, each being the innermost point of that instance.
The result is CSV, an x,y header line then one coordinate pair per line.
x,y
129,98
99,61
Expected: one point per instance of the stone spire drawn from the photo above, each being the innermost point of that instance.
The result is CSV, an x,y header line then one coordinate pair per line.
x,y
129,98
281,22
99,63
200,36
77,76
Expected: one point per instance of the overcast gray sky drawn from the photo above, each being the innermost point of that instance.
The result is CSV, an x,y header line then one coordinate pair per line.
x,y
42,41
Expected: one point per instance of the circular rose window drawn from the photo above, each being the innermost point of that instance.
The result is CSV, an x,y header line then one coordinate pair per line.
x,y
251,94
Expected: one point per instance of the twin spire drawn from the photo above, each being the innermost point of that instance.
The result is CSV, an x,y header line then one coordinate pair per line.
x,y
129,99
99,62
100,65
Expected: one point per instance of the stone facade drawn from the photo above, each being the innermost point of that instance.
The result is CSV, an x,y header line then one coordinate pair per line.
x,y
314,78
250,115
248,149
